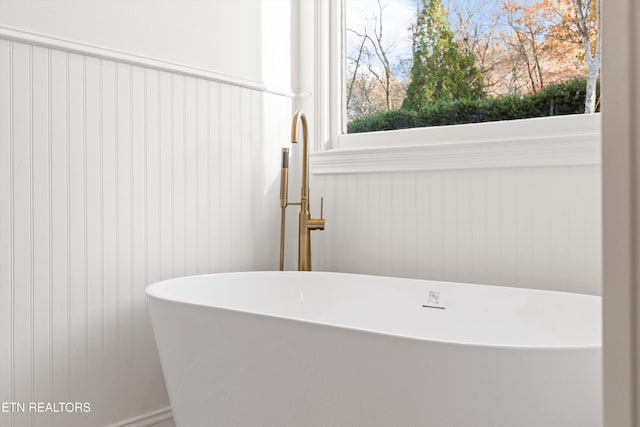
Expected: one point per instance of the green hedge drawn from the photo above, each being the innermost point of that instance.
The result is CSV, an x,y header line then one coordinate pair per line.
x,y
557,99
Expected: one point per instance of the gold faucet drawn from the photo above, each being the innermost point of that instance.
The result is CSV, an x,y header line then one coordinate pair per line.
x,y
306,223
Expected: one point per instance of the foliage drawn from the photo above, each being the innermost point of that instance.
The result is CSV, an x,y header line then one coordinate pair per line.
x,y
440,71
385,120
368,96
557,39
517,47
554,99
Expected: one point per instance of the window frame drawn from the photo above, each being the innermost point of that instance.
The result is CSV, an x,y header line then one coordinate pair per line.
x,y
577,136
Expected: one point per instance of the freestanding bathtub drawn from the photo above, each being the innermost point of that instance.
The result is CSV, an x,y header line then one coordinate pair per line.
x,y
283,349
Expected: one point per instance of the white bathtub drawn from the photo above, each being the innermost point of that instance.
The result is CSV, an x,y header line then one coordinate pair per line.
x,y
328,349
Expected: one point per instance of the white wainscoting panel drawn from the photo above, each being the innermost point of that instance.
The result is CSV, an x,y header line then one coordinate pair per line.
x,y
537,227
112,177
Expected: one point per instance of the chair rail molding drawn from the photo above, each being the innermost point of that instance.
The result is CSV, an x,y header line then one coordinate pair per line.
x,y
101,52
545,141
561,150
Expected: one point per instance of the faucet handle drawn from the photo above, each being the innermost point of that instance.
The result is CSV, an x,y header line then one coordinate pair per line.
x,y
317,224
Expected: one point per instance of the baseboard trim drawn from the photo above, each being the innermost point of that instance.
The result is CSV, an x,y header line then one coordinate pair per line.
x,y
146,420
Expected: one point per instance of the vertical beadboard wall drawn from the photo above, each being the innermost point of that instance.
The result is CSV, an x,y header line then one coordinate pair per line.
x,y
537,227
112,177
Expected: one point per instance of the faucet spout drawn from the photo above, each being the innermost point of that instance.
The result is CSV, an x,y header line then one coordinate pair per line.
x,y
299,116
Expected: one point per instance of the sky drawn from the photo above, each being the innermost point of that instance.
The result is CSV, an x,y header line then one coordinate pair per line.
x,y
397,18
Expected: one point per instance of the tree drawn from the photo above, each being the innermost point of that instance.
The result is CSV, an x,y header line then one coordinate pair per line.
x,y
557,39
371,72
529,23
580,24
480,37
440,71
368,96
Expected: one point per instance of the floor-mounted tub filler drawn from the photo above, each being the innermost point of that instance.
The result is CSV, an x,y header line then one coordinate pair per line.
x,y
311,349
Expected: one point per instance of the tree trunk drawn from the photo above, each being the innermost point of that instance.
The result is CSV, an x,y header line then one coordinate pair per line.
x,y
593,65
593,61
592,77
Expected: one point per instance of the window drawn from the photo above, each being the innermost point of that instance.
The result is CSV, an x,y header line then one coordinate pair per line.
x,y
417,63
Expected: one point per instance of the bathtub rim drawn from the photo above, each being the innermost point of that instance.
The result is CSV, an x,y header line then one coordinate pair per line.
x,y
574,347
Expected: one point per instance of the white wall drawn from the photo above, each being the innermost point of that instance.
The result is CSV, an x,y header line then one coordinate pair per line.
x,y
114,176
535,227
222,36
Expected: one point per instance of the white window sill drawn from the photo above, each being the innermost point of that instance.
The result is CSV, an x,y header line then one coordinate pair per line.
x,y
548,141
